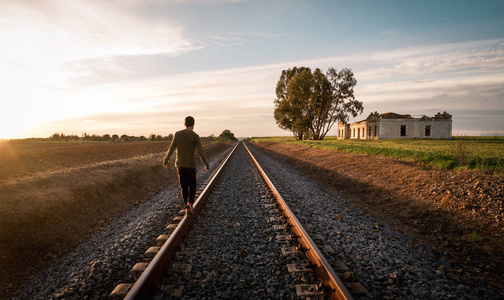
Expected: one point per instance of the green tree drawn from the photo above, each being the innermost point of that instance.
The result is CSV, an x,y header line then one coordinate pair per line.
x,y
343,103
227,135
308,104
289,111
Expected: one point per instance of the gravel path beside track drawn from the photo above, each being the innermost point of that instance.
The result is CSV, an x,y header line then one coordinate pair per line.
x,y
389,264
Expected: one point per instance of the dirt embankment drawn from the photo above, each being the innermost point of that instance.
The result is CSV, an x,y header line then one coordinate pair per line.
x,y
458,214
45,214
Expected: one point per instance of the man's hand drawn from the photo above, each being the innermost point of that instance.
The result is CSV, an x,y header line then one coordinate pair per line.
x,y
206,168
166,166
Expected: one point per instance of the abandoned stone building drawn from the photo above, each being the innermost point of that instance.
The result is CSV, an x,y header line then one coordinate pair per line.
x,y
396,126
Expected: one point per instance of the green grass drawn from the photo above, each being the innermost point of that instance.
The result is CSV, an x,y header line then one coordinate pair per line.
x,y
476,238
460,153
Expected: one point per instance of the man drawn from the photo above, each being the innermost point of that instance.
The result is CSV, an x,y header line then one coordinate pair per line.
x,y
185,141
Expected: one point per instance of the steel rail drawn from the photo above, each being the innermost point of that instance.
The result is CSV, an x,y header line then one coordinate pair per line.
x,y
154,271
336,287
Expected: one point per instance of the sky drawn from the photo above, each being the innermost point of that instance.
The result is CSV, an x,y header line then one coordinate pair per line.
x,y
139,67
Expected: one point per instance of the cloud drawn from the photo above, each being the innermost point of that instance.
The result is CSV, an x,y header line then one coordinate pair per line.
x,y
91,29
389,32
482,56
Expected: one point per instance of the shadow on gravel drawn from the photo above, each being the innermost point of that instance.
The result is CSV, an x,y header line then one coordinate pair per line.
x,y
445,232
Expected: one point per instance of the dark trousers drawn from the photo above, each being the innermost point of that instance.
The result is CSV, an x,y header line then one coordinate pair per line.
x,y
187,179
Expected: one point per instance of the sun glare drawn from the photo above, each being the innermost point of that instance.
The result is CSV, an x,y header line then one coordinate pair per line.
x,y
33,78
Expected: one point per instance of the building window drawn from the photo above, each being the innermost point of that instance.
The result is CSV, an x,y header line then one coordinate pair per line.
x,y
353,135
364,132
428,130
403,130
375,131
369,131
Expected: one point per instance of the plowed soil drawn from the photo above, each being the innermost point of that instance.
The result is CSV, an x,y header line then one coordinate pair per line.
x,y
53,195
459,215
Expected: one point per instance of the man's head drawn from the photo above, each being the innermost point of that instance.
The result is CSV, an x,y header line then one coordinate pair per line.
x,y
189,121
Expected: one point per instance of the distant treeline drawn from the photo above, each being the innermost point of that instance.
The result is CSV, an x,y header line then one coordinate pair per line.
x,y
108,138
225,135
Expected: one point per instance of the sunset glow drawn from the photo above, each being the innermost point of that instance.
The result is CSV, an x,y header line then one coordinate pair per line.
x,y
139,67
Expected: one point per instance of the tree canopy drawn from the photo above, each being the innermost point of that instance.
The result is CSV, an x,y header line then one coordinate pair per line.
x,y
308,104
228,135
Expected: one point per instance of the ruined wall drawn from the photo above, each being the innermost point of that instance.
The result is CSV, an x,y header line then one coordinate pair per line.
x,y
343,131
415,129
442,129
358,130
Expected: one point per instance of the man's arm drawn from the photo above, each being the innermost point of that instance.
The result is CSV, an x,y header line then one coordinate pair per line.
x,y
169,152
201,154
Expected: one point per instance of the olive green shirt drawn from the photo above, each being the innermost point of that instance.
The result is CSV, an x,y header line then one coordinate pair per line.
x,y
185,141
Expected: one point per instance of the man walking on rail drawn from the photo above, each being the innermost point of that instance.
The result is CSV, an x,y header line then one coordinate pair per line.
x,y
186,141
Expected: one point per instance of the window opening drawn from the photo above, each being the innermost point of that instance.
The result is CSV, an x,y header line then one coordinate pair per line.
x,y
403,130
428,130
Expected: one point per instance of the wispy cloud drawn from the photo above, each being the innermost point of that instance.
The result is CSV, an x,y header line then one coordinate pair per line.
x,y
486,56
89,29
390,32
227,39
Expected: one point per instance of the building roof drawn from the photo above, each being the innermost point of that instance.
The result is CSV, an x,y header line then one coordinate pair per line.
x,y
391,115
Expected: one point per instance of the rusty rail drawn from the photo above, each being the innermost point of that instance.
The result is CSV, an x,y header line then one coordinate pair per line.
x,y
336,288
154,271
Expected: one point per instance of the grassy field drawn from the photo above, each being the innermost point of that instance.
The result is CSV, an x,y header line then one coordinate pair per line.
x,y
460,153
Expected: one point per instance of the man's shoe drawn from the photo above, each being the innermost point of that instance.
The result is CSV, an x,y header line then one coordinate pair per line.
x,y
190,207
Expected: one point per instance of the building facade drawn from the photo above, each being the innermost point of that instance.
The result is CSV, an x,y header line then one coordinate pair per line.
x,y
396,126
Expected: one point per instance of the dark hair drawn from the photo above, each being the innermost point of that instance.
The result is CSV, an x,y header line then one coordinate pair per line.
x,y
189,121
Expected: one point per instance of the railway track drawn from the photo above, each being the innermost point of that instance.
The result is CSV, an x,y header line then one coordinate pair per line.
x,y
245,242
